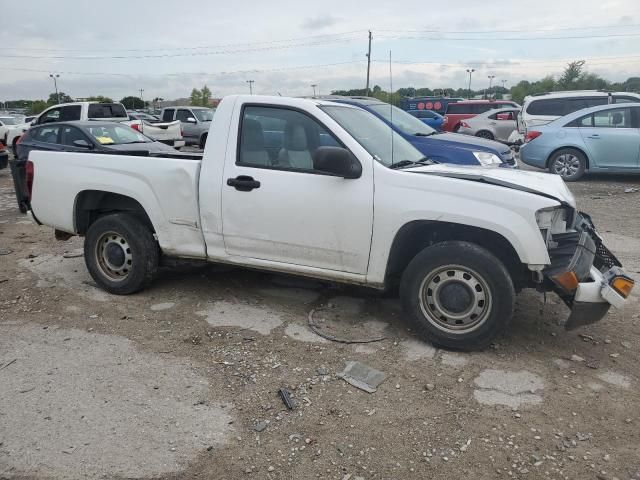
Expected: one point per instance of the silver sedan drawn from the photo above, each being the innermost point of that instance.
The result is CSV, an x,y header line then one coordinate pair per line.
x,y
494,124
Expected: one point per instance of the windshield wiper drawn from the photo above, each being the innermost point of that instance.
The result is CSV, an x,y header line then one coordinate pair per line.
x,y
420,134
409,163
136,141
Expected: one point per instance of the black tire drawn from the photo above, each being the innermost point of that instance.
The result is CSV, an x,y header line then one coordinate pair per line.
x,y
569,163
485,134
136,261
488,280
456,128
203,141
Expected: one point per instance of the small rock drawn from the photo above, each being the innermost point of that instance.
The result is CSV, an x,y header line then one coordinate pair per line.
x,y
576,358
626,345
614,355
517,415
322,371
607,341
260,426
271,468
397,386
460,380
607,457
430,386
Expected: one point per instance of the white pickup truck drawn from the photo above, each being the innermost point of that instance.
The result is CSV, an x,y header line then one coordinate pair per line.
x,y
319,189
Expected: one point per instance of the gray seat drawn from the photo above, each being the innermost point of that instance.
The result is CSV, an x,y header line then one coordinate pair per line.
x,y
295,153
252,144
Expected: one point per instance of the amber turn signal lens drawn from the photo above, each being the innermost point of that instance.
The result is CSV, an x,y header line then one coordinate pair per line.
x,y
622,285
567,280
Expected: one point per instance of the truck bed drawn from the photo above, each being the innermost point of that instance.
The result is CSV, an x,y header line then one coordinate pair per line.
x,y
166,186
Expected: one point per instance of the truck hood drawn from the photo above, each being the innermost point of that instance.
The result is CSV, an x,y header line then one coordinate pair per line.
x,y
545,184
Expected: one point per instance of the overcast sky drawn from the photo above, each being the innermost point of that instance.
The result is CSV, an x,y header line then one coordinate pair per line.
x,y
285,46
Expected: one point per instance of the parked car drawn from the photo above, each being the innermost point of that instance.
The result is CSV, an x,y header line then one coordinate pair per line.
x,y
495,124
143,116
439,146
428,117
598,139
543,108
458,111
195,122
458,241
435,104
6,124
80,136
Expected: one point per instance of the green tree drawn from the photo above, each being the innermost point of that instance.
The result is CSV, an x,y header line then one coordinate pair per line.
x,y
196,97
37,107
99,98
132,102
206,96
60,97
571,74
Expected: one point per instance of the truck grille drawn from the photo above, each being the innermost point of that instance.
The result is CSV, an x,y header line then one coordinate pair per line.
x,y
604,258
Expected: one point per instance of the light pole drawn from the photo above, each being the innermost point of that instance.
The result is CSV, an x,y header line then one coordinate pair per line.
x,y
55,84
503,87
470,71
250,82
141,98
490,77
314,85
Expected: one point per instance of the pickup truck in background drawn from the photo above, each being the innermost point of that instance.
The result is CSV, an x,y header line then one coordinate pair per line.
x,y
326,190
169,133
195,122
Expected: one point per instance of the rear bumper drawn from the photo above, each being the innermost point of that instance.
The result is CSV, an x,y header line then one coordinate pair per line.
x,y
583,254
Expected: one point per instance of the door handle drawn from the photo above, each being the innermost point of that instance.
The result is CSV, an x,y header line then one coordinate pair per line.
x,y
243,183
595,136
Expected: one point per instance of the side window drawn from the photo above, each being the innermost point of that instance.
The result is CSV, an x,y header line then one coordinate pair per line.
x,y
614,118
550,107
70,113
183,114
280,138
596,101
167,115
47,134
50,116
586,121
619,99
70,135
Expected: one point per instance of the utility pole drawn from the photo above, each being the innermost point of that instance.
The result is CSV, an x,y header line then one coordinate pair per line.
x,y
369,62
55,84
490,77
141,98
314,85
250,82
470,71
503,87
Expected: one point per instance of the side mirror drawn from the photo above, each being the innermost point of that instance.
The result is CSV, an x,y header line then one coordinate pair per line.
x,y
337,161
82,144
34,122
191,120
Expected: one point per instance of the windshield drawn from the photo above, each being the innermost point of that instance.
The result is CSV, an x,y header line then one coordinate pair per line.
x,y
10,120
203,115
403,121
116,135
374,135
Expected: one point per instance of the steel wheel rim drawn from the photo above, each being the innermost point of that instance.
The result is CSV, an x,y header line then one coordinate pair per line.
x,y
113,256
486,135
566,165
472,308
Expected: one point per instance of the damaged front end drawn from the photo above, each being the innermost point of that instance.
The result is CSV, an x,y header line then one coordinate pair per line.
x,y
583,272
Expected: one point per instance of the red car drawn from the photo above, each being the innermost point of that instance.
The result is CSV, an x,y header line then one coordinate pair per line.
x,y
458,111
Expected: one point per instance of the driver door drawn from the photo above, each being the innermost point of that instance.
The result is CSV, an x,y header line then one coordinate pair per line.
x,y
291,213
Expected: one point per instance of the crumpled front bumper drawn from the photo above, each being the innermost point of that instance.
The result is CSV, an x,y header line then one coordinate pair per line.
x,y
582,273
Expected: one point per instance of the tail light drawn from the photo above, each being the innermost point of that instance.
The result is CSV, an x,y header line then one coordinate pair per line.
x,y
29,174
531,135
464,125
136,126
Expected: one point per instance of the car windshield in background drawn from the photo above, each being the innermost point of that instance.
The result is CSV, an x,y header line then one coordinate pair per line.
x,y
403,121
203,115
10,120
116,135
374,135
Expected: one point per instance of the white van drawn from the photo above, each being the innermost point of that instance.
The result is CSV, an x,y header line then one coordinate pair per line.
x,y
540,109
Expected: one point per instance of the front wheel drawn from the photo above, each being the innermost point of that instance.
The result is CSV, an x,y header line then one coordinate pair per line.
x,y
458,294
569,163
121,253
485,134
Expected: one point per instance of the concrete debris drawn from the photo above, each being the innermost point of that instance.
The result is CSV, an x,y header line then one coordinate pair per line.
x,y
362,376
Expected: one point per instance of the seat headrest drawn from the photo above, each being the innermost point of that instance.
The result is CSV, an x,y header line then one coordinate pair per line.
x,y
616,118
252,135
296,138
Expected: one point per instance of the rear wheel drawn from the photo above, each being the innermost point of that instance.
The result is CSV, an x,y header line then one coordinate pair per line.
x,y
485,134
459,295
569,163
121,253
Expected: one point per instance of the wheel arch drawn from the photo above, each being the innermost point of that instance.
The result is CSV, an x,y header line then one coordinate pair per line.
x,y
93,204
415,236
570,147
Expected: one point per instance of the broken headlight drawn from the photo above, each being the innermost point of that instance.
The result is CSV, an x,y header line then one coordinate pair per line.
x,y
552,221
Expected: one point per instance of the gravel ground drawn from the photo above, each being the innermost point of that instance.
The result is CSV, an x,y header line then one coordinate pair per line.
x,y
181,381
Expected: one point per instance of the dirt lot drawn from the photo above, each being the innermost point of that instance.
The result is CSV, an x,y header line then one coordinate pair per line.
x,y
181,381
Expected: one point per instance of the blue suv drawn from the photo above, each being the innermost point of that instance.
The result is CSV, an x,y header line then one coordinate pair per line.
x,y
442,147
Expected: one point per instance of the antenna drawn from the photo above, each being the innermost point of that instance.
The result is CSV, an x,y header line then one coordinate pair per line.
x,y
391,104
